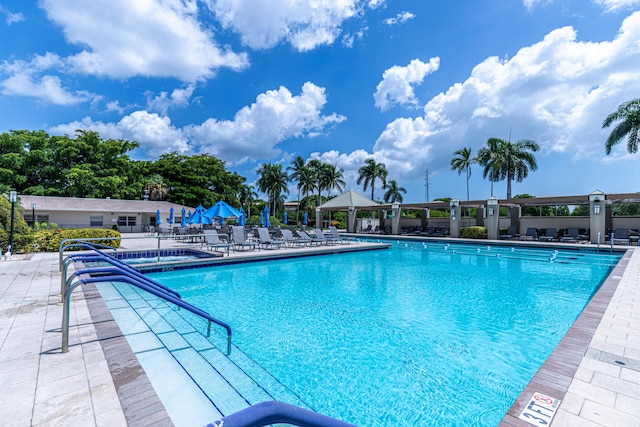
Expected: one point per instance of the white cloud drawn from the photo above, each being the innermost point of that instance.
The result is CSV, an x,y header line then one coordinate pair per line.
x,y
556,92
396,87
400,18
159,38
178,98
304,24
374,4
10,17
256,130
614,5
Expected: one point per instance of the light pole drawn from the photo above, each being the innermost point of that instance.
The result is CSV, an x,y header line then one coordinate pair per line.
x,y
33,215
12,198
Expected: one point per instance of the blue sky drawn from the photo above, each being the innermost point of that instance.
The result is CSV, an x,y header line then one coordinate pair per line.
x,y
407,82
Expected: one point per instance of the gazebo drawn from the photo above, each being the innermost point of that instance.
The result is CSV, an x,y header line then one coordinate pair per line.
x,y
351,202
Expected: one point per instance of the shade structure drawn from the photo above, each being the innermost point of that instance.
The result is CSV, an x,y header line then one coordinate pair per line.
x,y
266,217
158,220
171,216
305,218
198,216
284,220
183,219
222,210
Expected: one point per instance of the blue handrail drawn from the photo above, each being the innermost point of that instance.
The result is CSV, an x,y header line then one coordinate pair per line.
x,y
83,243
272,412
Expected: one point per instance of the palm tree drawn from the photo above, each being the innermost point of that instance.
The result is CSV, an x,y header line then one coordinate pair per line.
x,y
272,181
316,169
502,159
628,114
462,163
156,188
370,172
394,192
331,177
307,184
297,170
247,196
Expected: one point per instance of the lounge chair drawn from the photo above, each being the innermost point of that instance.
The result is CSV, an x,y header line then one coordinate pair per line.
x,y
335,235
571,236
313,240
621,235
367,230
266,241
430,231
212,241
292,240
419,229
531,234
510,234
239,241
549,235
322,238
444,231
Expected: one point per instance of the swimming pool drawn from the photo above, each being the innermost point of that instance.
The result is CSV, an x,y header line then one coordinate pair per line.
x,y
421,334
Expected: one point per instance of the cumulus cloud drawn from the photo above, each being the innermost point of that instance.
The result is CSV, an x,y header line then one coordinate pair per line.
x,y
158,38
164,101
556,92
614,5
400,18
253,134
396,87
303,24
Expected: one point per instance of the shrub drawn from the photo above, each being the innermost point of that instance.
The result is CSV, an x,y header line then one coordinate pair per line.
x,y
474,232
49,240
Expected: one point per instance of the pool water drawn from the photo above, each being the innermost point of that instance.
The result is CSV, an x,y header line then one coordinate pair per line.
x,y
435,334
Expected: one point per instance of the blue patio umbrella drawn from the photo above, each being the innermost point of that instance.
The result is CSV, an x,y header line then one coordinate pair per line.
x,y
242,221
261,218
158,220
285,217
171,216
198,217
222,210
305,218
266,217
183,219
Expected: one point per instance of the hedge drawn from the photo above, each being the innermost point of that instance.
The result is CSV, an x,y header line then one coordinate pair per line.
x,y
49,240
474,232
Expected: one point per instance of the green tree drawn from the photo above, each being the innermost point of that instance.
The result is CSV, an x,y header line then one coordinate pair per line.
x,y
297,168
461,162
628,116
156,188
370,172
315,165
394,192
247,196
331,177
272,181
506,160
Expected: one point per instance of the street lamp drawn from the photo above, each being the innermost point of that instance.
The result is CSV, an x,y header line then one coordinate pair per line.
x,y
12,198
33,215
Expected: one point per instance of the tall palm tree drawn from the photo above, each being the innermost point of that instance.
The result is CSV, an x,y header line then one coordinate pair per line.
x,y
316,168
297,169
370,172
394,192
247,196
503,159
272,181
462,163
156,187
308,184
628,114
331,177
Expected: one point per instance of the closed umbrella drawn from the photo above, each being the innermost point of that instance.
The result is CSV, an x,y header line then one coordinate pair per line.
x,y
266,217
305,218
158,220
242,221
261,218
183,219
285,217
171,216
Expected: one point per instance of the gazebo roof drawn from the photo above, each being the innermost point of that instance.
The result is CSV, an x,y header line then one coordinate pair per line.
x,y
351,198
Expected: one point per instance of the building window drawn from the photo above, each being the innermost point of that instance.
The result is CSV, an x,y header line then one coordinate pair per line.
x,y
39,218
124,221
96,220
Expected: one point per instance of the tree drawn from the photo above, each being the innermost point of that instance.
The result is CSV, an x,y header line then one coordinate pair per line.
x,y
394,192
247,196
315,166
272,181
370,172
628,116
331,177
297,168
462,163
503,159
156,188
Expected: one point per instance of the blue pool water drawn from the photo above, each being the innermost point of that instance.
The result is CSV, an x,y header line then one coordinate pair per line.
x,y
414,335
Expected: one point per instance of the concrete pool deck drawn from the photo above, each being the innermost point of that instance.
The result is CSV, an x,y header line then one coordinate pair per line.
x,y
595,370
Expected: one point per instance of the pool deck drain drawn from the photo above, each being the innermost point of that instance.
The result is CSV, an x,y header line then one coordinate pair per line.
x,y
595,370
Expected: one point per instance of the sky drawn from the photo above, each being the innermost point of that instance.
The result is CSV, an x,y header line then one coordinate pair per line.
x,y
406,82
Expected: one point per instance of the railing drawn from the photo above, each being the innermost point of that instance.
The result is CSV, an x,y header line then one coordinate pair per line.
x,y
120,272
273,412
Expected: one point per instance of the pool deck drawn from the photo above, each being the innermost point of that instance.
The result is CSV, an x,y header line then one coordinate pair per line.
x,y
595,370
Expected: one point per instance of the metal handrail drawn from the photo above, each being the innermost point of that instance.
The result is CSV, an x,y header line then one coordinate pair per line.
x,y
144,286
101,256
273,412
85,242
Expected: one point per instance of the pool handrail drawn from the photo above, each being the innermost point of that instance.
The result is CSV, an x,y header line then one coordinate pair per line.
x,y
139,284
84,242
272,412
101,256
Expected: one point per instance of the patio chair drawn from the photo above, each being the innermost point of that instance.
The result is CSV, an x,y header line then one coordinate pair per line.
x,y
621,235
510,234
212,242
265,240
444,231
322,238
239,241
549,235
367,230
531,234
571,236
336,235
311,239
292,240
430,231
